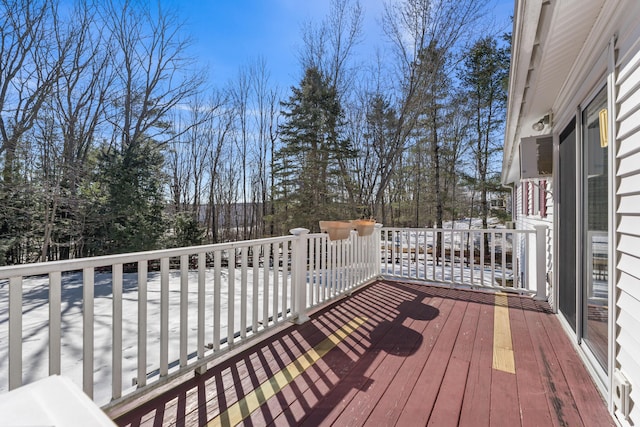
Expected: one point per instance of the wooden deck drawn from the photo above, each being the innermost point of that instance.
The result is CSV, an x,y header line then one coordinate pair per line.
x,y
397,354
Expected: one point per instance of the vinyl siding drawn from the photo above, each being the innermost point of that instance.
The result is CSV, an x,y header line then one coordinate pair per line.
x,y
628,210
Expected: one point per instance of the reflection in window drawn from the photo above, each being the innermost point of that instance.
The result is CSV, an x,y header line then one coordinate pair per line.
x,y
596,222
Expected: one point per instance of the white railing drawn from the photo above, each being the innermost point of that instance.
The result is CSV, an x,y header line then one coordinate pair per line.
x,y
496,258
120,323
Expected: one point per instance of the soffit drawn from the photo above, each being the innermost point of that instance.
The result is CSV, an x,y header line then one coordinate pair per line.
x,y
548,38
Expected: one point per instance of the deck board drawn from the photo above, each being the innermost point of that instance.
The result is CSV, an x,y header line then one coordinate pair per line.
x,y
477,398
580,383
529,384
448,405
562,405
399,390
422,356
425,392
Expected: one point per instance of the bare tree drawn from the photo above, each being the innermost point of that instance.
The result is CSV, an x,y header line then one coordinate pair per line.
x,y
218,133
424,34
78,104
28,53
329,46
152,72
240,93
265,100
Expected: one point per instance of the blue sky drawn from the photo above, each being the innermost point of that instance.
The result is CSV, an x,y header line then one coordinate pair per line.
x,y
231,33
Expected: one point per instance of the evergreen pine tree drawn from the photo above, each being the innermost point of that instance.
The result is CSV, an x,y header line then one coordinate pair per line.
x,y
484,76
308,169
131,210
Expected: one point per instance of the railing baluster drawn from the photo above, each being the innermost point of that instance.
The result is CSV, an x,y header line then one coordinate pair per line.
x,y
231,297
265,286
87,330
503,249
346,247
337,264
483,237
359,258
452,255
405,257
394,249
416,253
401,250
256,283
346,267
462,255
351,264
341,265
515,265
276,281
217,296
398,257
184,308
433,255
202,275
287,302
472,255
493,258
318,270
142,324
422,236
15,332
244,256
334,269
443,254
164,316
524,266
346,263
116,351
326,259
55,309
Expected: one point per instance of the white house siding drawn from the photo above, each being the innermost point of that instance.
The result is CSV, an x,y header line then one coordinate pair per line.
x,y
628,207
528,219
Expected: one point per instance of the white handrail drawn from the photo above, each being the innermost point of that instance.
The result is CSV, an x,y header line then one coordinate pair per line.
x,y
139,310
469,257
148,316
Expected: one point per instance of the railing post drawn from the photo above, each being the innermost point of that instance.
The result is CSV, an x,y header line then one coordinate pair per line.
x,y
541,262
15,332
375,253
298,268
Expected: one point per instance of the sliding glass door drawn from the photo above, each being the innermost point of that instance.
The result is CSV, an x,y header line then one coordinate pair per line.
x,y
567,225
595,222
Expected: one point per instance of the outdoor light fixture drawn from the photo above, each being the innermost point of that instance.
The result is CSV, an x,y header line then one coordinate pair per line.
x,y
540,124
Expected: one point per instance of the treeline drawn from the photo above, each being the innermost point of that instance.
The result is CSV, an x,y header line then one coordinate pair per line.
x,y
113,139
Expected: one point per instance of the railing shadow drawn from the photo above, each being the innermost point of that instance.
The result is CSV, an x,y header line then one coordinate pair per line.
x,y
314,393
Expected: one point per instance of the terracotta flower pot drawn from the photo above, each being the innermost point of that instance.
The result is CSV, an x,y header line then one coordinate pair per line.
x,y
364,226
337,230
